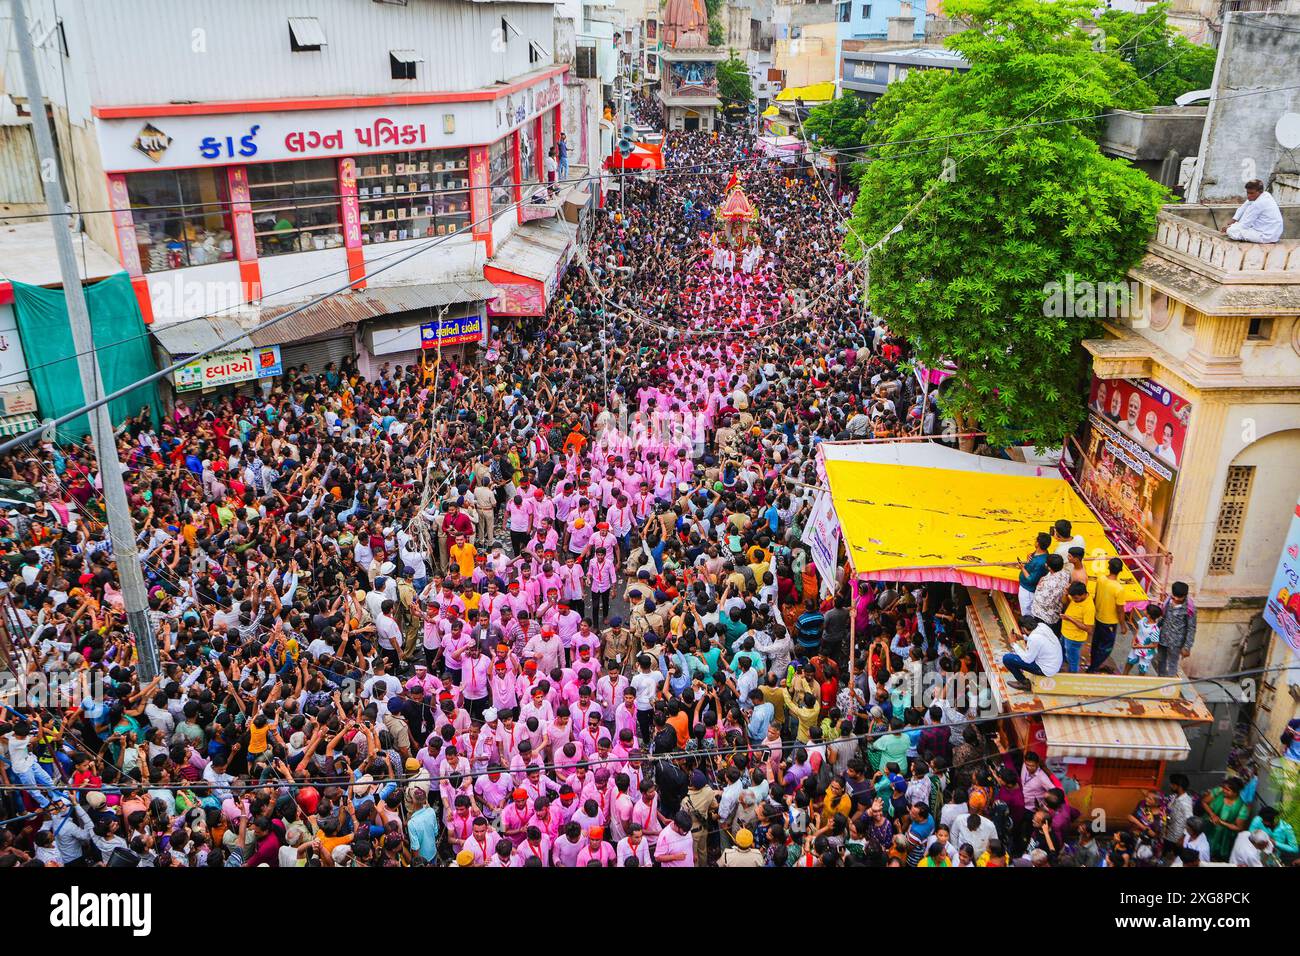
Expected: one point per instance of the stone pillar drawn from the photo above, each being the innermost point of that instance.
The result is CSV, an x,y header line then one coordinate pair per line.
x,y
1217,348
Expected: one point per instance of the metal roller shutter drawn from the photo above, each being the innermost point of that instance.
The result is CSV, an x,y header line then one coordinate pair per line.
x,y
316,355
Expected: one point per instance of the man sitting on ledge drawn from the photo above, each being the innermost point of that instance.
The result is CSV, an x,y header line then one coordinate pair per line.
x,y
1043,653
1257,219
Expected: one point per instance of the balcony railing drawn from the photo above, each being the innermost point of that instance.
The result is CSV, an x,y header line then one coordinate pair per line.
x,y
1191,234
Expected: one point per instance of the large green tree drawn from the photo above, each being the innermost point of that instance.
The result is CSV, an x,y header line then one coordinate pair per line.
x,y
990,220
735,87
838,124
1167,61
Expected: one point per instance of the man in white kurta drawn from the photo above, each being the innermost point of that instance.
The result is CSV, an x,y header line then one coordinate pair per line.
x,y
1257,219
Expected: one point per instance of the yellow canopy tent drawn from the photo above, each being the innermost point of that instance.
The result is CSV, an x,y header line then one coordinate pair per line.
x,y
816,93
916,511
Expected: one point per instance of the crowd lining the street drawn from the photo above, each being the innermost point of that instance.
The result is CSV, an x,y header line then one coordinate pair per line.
x,y
550,607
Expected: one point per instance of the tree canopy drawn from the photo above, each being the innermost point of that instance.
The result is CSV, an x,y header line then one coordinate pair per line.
x,y
735,88
839,124
1001,191
717,35
1167,61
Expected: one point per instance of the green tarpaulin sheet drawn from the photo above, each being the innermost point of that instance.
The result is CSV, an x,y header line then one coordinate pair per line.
x,y
121,344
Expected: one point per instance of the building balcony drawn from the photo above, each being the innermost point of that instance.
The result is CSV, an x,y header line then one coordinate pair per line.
x,y
1190,236
1218,311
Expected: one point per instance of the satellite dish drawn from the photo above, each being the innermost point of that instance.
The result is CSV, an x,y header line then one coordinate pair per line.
x,y
1287,130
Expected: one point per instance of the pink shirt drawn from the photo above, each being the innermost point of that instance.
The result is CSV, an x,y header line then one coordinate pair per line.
x,y
518,517
564,852
647,814
603,574
578,537
493,794
473,677
541,850
484,849
642,851
672,842
543,510
567,623
515,822
601,851
571,581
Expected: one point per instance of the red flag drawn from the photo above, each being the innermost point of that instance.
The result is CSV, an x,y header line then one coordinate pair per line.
x,y
733,182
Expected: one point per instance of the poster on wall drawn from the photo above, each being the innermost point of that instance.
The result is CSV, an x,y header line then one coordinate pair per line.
x,y
1282,611
518,298
1137,429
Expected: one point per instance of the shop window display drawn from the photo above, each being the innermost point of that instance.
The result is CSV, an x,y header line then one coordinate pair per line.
x,y
295,206
501,175
182,217
528,155
413,194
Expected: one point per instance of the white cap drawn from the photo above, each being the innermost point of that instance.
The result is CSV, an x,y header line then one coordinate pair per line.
x,y
490,714
387,568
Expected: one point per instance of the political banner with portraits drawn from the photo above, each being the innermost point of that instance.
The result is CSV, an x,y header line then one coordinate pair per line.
x,y
1137,429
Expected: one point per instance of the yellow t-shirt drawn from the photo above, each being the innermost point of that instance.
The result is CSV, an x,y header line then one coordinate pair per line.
x,y
1085,613
464,558
830,807
1107,600
257,737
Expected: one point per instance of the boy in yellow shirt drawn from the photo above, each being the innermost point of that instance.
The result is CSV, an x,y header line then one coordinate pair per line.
x,y
1110,615
1077,623
462,554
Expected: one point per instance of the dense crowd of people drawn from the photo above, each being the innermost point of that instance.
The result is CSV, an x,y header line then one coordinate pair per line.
x,y
547,608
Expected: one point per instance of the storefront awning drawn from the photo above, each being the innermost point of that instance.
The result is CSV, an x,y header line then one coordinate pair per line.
x,y
17,424
779,145
1116,738
918,511
345,310
403,298
534,251
191,336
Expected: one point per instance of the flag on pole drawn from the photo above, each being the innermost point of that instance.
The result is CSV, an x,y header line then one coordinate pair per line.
x,y
733,182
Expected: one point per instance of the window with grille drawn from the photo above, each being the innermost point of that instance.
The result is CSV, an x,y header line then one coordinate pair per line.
x,y
1232,519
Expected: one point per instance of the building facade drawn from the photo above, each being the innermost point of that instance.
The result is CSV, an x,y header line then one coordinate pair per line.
x,y
688,68
868,72
254,159
1200,365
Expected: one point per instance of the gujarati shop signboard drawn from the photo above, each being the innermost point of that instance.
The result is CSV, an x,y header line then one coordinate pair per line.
x,y
227,368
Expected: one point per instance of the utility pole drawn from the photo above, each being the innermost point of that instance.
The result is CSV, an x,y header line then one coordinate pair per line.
x,y
120,528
